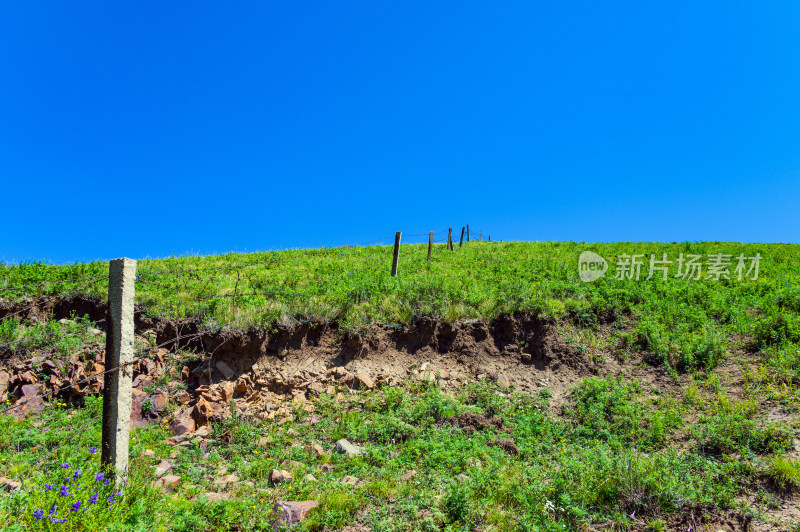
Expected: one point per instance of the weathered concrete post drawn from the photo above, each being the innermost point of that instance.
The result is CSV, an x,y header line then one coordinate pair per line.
x,y
117,388
396,253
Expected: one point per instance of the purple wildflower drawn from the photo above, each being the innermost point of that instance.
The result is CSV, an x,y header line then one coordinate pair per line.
x,y
65,466
111,499
38,514
48,487
76,506
77,473
59,520
64,492
99,477
53,509
93,449
106,482
93,498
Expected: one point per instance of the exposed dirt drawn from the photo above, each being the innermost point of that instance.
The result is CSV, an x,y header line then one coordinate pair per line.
x,y
524,351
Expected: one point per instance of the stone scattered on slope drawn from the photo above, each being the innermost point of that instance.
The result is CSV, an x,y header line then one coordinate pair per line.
x,y
290,513
348,448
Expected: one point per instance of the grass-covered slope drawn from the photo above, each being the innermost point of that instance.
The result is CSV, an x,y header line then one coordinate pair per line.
x,y
683,322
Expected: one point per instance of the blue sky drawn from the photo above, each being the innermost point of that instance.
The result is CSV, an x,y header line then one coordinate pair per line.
x,y
197,127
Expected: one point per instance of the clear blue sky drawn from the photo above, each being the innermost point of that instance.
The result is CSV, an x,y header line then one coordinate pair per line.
x,y
166,128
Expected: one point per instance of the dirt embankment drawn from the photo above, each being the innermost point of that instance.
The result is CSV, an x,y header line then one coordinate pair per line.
x,y
521,350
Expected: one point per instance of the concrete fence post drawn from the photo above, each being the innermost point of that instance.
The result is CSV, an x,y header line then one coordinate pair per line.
x,y
117,388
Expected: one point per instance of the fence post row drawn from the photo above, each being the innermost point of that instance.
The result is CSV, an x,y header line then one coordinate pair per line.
x,y
396,253
450,239
461,242
117,388
467,232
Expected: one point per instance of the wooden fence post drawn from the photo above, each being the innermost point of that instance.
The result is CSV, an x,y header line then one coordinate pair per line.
x,y
461,242
481,236
450,239
430,245
117,387
467,232
396,252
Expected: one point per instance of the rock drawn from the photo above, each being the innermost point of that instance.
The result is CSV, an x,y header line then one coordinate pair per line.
x,y
202,432
215,497
462,477
350,449
28,377
408,475
65,321
149,453
503,381
226,371
7,484
226,390
526,357
310,478
183,397
227,479
182,423
94,332
277,476
327,468
28,390
27,407
162,468
185,373
159,400
316,388
315,450
204,412
169,483
289,513
351,481
347,379
365,380
4,380
292,464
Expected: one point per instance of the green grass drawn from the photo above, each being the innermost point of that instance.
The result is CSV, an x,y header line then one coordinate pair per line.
x,y
682,323
562,478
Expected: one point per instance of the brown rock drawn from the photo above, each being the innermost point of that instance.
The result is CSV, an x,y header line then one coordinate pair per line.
x,y
183,397
315,450
5,378
215,497
149,453
316,388
169,483
408,475
289,513
162,468
292,464
226,390
310,478
365,380
28,390
185,373
27,407
182,423
327,468
159,401
205,412
7,484
351,481
227,479
224,369
277,476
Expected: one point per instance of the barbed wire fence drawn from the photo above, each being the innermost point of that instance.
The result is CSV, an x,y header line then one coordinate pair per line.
x,y
198,295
